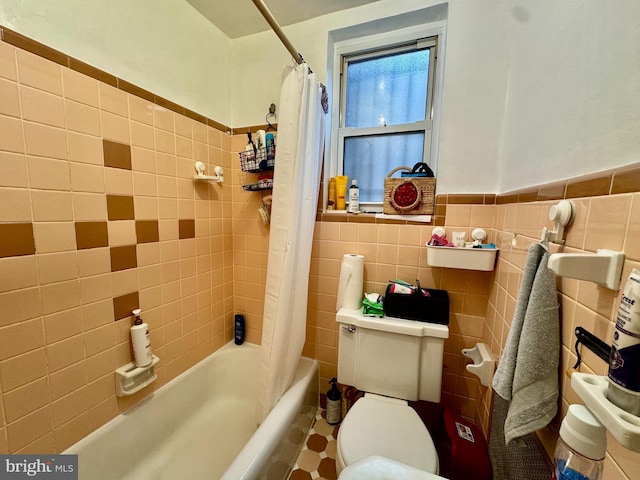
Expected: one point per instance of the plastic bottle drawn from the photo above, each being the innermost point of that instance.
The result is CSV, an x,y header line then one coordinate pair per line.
x,y
624,362
354,197
238,329
334,404
331,203
581,447
140,341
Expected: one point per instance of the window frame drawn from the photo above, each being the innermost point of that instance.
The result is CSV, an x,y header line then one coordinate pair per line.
x,y
422,36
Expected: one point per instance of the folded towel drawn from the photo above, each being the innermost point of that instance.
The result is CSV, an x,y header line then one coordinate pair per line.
x,y
527,374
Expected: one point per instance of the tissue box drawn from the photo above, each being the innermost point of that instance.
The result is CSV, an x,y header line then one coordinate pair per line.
x,y
415,306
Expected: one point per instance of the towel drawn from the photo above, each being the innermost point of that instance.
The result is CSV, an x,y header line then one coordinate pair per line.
x,y
527,374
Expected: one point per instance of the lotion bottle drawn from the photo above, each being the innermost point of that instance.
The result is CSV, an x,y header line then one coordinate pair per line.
x,y
354,197
140,341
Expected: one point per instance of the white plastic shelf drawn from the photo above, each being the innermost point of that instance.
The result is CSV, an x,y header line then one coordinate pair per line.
x,y
623,426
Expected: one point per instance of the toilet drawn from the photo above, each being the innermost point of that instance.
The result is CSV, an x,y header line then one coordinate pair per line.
x,y
393,361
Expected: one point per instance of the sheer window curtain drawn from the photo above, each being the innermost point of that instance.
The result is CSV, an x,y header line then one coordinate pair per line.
x,y
301,125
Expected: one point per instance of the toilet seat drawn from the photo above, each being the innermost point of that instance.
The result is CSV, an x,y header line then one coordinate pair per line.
x,y
387,427
379,468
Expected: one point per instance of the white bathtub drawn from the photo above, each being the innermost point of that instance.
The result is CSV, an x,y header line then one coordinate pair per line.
x,y
201,426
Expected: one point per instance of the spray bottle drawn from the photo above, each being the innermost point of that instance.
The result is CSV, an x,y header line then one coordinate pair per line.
x,y
334,404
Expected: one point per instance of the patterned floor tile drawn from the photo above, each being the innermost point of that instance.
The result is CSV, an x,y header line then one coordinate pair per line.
x,y
317,459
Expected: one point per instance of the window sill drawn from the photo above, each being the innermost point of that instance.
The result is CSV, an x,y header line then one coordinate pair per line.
x,y
380,218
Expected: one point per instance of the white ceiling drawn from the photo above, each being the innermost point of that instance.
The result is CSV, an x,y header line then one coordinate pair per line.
x,y
237,18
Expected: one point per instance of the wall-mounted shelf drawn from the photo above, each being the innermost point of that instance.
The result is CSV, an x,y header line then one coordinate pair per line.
x,y
603,267
131,379
482,366
623,426
459,257
200,176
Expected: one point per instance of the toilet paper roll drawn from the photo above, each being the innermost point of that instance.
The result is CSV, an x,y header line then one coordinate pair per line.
x,y
351,284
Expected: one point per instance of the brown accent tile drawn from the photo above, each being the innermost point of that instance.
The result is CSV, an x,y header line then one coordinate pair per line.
x,y
224,128
470,198
551,191
123,258
186,229
440,210
169,105
441,199
124,304
361,218
147,231
334,217
507,198
120,207
489,198
626,181
93,72
91,235
590,187
135,90
37,48
327,469
439,221
528,195
16,239
195,116
317,443
116,155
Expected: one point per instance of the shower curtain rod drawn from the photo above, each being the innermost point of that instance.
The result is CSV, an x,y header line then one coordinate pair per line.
x,y
271,20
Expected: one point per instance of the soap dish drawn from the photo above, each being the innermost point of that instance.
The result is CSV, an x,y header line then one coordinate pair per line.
x,y
460,257
131,379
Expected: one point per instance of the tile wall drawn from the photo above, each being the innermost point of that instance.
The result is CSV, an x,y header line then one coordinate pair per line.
x,y
100,214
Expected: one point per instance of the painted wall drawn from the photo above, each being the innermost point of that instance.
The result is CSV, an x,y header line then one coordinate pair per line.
x,y
165,47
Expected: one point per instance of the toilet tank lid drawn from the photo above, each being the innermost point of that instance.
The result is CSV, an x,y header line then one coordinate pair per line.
x,y
392,324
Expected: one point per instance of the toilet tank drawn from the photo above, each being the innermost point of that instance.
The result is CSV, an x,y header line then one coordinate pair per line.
x,y
391,356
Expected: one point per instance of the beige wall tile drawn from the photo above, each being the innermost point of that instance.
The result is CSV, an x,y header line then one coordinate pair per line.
x,y
13,170
166,164
18,305
140,110
143,160
48,174
608,217
142,135
45,141
85,148
62,325
79,87
113,100
57,267
69,407
632,238
11,136
87,178
118,181
122,232
50,206
21,338
114,127
9,99
23,369
60,296
99,339
144,184
72,431
16,205
82,118
29,428
165,142
97,314
18,272
67,380
124,281
89,207
65,353
39,73
93,261
8,67
26,399
163,118
42,107
95,288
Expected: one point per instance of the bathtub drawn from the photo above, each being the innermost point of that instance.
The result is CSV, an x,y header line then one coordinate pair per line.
x,y
201,425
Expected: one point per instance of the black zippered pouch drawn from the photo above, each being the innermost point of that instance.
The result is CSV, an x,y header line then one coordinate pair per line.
x,y
423,304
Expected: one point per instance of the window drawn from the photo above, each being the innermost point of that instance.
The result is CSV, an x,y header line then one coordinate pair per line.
x,y
385,115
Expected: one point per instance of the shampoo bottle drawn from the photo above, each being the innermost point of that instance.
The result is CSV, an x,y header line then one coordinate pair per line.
x,y
140,341
334,404
354,197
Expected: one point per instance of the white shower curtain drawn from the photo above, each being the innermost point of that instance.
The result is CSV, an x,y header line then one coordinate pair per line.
x,y
300,147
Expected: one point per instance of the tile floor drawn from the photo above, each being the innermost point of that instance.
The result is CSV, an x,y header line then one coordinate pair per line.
x,y
317,459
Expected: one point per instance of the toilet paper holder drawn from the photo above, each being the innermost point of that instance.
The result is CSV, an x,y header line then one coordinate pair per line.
x,y
482,365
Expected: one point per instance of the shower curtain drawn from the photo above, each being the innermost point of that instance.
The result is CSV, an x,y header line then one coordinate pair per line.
x,y
300,148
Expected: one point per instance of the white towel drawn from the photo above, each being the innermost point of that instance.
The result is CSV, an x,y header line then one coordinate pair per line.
x,y
527,374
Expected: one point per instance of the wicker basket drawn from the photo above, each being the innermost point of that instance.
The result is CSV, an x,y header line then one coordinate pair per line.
x,y
408,195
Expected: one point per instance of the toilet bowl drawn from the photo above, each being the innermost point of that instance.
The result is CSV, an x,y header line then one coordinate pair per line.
x,y
392,360
380,468
386,427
